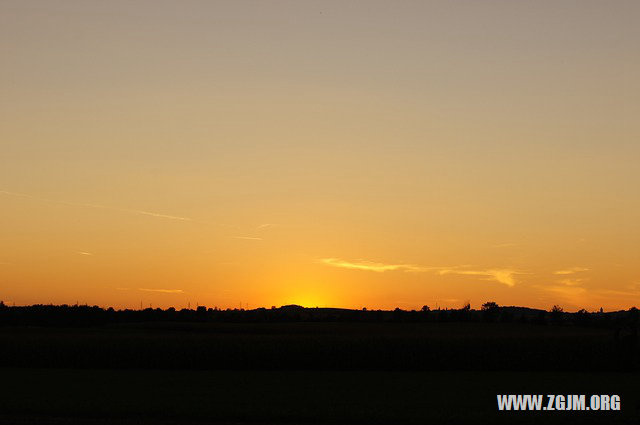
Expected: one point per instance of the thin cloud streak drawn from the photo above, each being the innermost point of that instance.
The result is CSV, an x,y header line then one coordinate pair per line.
x,y
566,291
164,291
248,238
139,212
506,245
371,266
152,214
571,270
570,282
632,290
504,276
97,206
572,288
22,195
574,292
266,225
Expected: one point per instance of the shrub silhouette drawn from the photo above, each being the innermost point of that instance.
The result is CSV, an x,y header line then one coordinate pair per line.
x,y
490,305
490,311
556,314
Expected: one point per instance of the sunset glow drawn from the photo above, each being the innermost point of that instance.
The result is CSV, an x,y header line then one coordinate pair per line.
x,y
245,154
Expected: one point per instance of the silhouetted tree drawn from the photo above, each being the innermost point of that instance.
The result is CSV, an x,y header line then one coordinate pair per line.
x,y
633,314
582,317
556,314
490,305
489,311
462,314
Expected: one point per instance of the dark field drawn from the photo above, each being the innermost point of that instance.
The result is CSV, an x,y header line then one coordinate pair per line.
x,y
52,396
317,346
309,372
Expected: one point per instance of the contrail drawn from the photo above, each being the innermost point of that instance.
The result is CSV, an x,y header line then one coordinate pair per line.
x,y
103,207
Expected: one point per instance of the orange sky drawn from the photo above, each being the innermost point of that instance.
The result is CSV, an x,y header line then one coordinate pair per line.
x,y
329,153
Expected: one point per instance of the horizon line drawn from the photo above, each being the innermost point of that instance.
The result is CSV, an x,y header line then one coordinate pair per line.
x,y
363,309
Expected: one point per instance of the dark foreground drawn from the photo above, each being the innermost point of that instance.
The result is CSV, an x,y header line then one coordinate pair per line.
x,y
63,396
406,370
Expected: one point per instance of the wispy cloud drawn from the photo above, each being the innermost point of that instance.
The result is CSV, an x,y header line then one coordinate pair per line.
x,y
22,195
566,291
160,290
574,291
83,253
248,238
165,291
370,265
504,276
571,270
570,288
266,225
632,290
104,207
149,213
127,210
506,245
570,282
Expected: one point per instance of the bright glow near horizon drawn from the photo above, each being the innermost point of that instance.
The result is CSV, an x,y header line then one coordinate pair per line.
x,y
324,153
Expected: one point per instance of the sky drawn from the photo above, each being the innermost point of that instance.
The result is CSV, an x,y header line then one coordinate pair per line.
x,y
353,154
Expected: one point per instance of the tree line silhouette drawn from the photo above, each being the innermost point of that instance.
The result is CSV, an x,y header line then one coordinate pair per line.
x,y
84,315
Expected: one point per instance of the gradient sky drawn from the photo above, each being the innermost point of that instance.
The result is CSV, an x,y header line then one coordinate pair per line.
x,y
374,154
